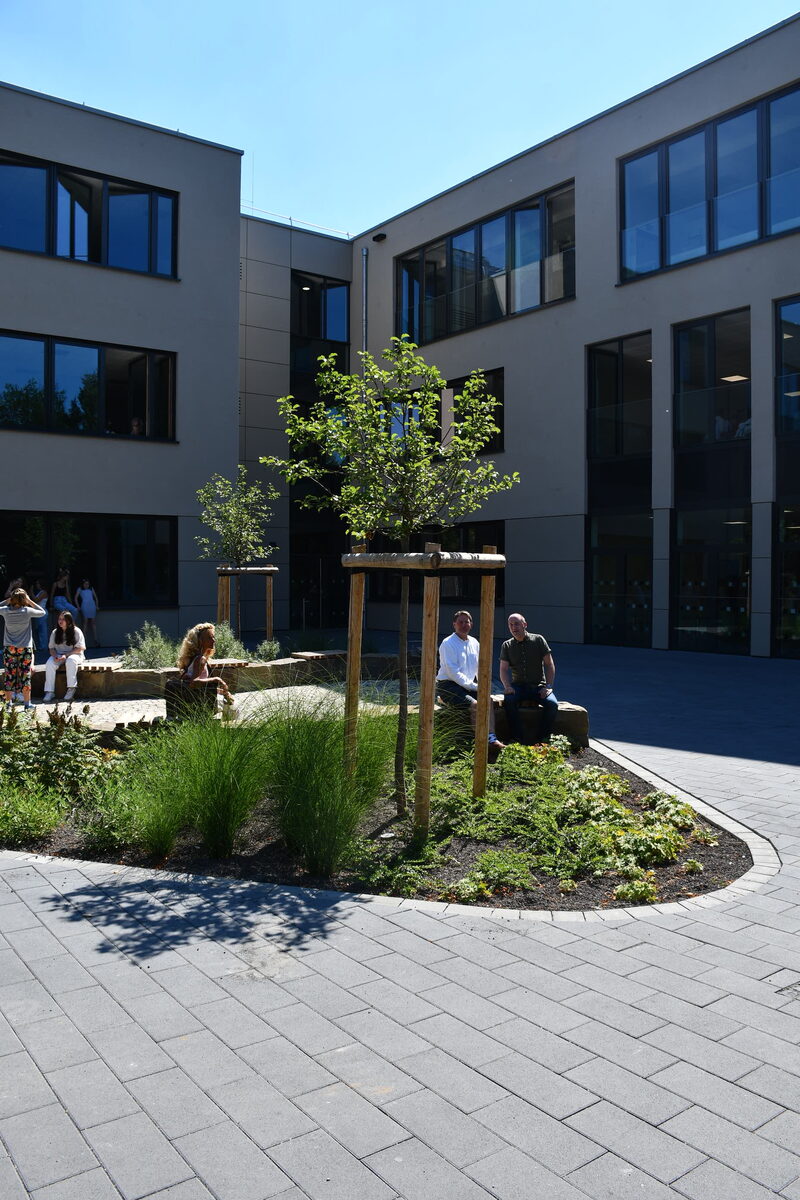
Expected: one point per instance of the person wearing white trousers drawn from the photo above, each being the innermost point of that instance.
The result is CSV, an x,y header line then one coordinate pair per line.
x,y
67,646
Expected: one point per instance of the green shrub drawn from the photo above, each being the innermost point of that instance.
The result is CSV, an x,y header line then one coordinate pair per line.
x,y
638,891
666,807
692,867
266,651
106,818
227,643
317,802
149,649
62,754
28,811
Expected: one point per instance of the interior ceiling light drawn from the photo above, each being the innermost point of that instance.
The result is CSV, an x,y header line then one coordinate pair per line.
x,y
787,337
735,522
734,378
306,288
791,394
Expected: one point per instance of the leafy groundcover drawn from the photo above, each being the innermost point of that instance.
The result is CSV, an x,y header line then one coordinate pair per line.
x,y
558,829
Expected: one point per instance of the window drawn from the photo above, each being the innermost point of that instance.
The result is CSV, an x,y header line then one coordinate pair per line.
x,y
712,380
74,387
620,579
620,397
69,213
320,315
787,582
787,382
132,561
509,263
711,580
495,386
732,182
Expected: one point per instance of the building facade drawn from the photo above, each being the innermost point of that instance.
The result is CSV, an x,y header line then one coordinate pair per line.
x,y
630,287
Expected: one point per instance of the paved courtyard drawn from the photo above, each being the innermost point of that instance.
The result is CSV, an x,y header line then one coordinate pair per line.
x,y
189,1038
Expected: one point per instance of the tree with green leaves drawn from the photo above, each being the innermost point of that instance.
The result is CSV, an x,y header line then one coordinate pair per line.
x,y
237,513
379,449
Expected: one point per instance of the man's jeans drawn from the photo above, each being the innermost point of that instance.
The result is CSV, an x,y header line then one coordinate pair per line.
x,y
453,695
529,691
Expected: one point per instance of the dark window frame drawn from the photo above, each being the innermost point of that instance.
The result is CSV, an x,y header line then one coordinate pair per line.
x,y
50,341
761,107
592,406
54,169
496,445
540,199
99,577
783,435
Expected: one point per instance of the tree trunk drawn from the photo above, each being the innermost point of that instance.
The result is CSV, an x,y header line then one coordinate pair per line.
x,y
402,703
238,608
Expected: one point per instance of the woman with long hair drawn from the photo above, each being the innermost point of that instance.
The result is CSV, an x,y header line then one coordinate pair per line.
x,y
59,594
18,612
67,646
196,649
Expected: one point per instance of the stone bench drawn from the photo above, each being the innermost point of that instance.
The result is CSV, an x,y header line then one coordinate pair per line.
x,y
572,720
93,681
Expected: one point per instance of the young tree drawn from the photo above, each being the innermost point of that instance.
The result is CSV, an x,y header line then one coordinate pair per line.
x,y
237,513
381,453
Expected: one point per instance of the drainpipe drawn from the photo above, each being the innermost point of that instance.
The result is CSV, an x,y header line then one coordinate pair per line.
x,y
364,257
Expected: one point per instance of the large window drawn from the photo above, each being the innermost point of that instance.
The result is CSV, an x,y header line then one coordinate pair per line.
x,y
131,561
712,379
509,263
64,386
735,180
711,580
620,579
495,386
620,423
787,582
320,317
58,210
787,357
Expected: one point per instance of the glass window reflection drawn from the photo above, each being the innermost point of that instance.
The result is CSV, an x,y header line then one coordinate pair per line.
x,y
736,204
493,269
76,385
128,227
641,237
711,606
463,272
23,205
165,215
686,219
525,273
788,373
784,164
22,396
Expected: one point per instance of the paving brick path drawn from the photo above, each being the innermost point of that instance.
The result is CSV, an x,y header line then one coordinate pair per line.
x,y
195,1038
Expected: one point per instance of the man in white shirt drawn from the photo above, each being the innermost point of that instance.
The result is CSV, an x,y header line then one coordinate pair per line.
x,y
456,683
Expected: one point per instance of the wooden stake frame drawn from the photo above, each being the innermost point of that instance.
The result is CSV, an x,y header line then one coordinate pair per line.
x,y
433,561
225,576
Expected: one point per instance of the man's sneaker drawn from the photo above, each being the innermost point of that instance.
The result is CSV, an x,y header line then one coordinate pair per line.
x,y
495,750
28,707
49,697
69,695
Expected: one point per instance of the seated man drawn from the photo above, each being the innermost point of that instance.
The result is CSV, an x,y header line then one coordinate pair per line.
x,y
527,672
456,683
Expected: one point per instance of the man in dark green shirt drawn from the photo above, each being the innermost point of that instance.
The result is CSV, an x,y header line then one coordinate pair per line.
x,y
527,672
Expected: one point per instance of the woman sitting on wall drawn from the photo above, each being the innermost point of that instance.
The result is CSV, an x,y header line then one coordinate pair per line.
x,y
197,648
67,645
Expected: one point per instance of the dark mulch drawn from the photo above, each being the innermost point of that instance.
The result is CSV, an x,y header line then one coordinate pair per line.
x,y
262,857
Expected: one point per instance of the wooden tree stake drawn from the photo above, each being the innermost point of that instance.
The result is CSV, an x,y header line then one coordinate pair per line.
x,y
484,681
427,690
223,598
357,587
269,607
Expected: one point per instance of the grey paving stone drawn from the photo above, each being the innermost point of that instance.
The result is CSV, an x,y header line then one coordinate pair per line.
x,y
466,1044
22,1087
31,944
632,1053
45,1146
188,985
546,1089
512,1175
412,919
351,943
548,1013
286,1067
783,1130
453,1134
92,1009
89,1185
60,974
543,946
709,1022
419,1173
13,969
539,1044
722,1060
693,991
539,980
161,1016
651,1150
728,1100
232,1022
264,1113
231,1165
124,980
130,1052
193,1189
177,1105
359,916
489,951
207,1060
416,948
763,1046
307,1029
136,1155
91,1093
19,878
358,1125
21,1003
715,956
670,960
11,1187
614,1013
714,1181
403,1006
326,1171
411,975
742,1011
642,1097
9,1042
549,1141
478,980
324,996
17,916
619,987
382,1034
56,1043
463,1087
611,1178
771,1082
751,1155
341,969
369,1074
272,962
93,949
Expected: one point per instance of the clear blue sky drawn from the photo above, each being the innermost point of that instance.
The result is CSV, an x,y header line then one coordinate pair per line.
x,y
348,111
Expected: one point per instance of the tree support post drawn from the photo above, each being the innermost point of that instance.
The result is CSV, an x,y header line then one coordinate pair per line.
x,y
427,691
354,633
484,681
223,595
269,606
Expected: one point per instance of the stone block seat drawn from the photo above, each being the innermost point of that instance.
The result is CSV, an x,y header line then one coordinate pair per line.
x,y
572,720
183,701
92,681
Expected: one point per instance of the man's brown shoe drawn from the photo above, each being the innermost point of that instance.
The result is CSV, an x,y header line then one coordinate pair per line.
x,y
495,750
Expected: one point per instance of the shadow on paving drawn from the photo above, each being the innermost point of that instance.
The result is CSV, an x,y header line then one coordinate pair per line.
x,y
145,917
